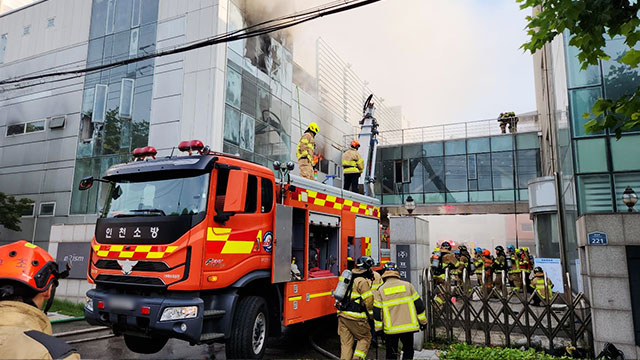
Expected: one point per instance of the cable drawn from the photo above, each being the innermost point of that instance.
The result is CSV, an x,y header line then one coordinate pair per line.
x,y
251,31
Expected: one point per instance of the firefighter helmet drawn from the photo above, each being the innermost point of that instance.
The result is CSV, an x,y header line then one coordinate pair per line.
x,y
390,266
457,252
365,262
355,144
445,245
314,127
499,248
538,269
486,252
478,250
511,248
462,248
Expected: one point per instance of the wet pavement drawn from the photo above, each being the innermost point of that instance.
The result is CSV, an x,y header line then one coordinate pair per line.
x,y
293,345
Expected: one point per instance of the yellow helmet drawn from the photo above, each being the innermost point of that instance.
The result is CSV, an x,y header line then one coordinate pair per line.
x,y
314,127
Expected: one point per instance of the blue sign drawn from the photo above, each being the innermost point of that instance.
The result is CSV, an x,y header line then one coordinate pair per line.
x,y
598,238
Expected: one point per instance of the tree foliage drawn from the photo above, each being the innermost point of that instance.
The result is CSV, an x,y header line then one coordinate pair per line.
x,y
11,209
591,23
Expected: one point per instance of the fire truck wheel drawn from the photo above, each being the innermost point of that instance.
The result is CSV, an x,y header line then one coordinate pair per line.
x,y
249,333
143,345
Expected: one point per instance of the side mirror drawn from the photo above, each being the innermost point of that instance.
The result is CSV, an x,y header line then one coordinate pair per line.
x,y
290,165
276,165
235,197
86,183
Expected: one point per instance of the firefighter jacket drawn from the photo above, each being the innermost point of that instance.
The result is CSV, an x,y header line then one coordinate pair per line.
x,y
515,263
377,281
537,283
500,264
306,147
397,307
352,162
25,333
479,263
361,298
461,263
447,260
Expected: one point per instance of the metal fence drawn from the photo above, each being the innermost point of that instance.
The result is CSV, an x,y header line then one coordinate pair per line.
x,y
503,316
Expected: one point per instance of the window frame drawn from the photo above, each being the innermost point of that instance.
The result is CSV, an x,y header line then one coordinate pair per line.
x,y
25,126
271,195
4,38
53,212
33,211
104,105
122,99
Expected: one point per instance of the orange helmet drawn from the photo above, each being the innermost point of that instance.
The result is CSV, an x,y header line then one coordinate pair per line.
x,y
355,144
30,265
486,252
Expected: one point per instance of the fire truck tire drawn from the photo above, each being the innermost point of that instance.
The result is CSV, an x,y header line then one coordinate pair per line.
x,y
142,345
249,329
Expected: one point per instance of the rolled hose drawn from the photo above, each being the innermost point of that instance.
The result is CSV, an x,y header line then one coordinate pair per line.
x,y
322,351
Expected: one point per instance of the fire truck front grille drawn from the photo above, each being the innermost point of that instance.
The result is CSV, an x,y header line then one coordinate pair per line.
x,y
153,266
130,280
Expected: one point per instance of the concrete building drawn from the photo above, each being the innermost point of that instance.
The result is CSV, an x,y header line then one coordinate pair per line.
x,y
245,97
580,198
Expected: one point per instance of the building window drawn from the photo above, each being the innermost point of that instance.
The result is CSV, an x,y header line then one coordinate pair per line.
x,y
126,98
51,22
595,193
401,171
57,122
111,11
133,42
25,128
99,104
26,30
3,47
135,14
621,181
455,175
29,212
266,188
47,208
591,155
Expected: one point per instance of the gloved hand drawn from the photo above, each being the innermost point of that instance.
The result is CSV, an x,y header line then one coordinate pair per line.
x,y
422,327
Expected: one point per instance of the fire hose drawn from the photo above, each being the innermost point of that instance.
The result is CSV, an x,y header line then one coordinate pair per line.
x,y
322,351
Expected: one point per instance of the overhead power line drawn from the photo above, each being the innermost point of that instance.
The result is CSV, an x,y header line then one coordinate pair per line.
x,y
262,28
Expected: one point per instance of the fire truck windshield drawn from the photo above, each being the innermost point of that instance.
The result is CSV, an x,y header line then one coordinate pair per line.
x,y
165,197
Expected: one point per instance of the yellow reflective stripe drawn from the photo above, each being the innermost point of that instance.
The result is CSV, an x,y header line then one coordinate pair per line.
x,y
415,296
422,316
349,163
355,314
359,354
377,323
361,161
351,170
401,328
395,290
375,286
304,141
30,245
294,298
377,303
237,247
340,278
328,293
367,294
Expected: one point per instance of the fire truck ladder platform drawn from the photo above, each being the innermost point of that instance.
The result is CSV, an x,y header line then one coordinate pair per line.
x,y
332,190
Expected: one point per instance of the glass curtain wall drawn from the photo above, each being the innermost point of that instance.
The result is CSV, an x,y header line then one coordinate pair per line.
x,y
259,81
116,105
491,169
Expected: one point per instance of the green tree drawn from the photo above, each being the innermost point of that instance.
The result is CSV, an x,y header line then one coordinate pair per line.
x,y
11,209
591,23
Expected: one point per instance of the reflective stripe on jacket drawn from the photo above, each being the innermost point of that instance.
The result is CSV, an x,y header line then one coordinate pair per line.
x,y
306,147
360,294
352,162
538,284
397,307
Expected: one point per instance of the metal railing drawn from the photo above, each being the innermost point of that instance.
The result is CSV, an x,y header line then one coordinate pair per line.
x,y
504,316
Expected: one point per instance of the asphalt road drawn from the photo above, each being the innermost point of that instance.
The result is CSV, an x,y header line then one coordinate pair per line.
x,y
293,345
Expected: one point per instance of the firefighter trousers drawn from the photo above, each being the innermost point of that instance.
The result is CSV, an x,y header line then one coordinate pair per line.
x,y
306,168
351,182
497,283
392,345
351,331
516,281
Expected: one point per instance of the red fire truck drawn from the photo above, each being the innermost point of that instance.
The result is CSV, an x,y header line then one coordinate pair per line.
x,y
206,247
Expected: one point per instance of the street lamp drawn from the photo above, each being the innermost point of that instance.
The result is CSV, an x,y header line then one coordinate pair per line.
x,y
629,198
409,204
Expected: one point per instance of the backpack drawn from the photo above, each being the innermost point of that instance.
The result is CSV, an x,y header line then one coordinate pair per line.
x,y
348,303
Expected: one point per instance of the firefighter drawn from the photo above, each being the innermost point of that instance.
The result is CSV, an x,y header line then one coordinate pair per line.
x,y
525,261
499,266
352,166
458,270
28,278
487,268
515,275
478,264
440,264
353,325
399,312
305,149
542,291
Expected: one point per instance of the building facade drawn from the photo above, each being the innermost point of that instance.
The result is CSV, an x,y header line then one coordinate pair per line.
x,y
587,174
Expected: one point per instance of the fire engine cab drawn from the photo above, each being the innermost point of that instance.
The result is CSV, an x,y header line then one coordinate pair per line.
x,y
207,247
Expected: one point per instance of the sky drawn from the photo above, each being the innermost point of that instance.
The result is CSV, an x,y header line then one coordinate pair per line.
x,y
443,61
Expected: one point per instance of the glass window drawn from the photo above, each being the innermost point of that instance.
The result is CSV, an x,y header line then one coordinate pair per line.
x,y
434,175
232,125
595,193
478,145
417,172
527,141
503,195
391,153
434,198
624,153
483,165
528,167
126,98
266,188
457,197
480,196
472,169
51,22
99,104
454,147
147,43
392,199
149,11
135,13
401,171
98,18
591,155
621,182
3,47
247,133
35,126
502,164
264,103
576,76
581,101
455,172
388,185
234,88
121,44
251,201
26,30
412,151
15,129
133,42
619,79
123,15
28,211
433,149
94,55
501,143
111,13
47,208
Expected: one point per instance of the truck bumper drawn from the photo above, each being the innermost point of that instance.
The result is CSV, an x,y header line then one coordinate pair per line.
x,y
140,315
